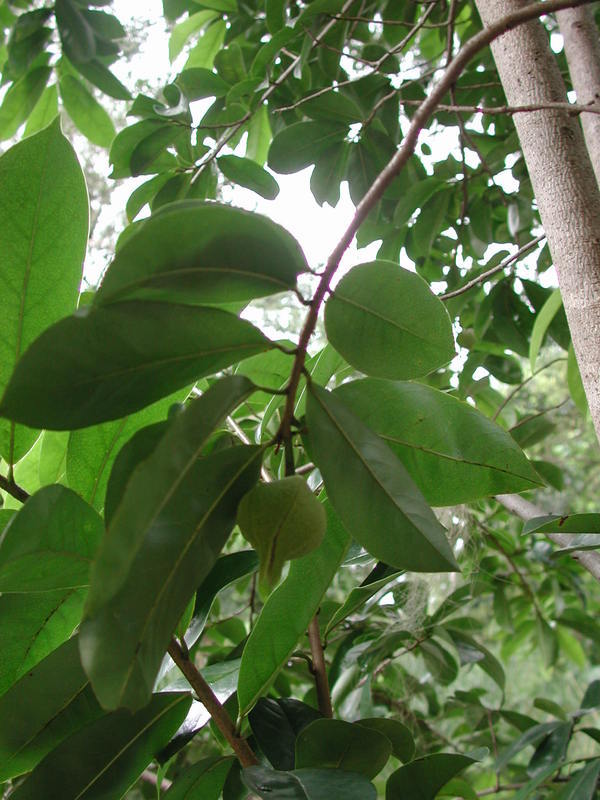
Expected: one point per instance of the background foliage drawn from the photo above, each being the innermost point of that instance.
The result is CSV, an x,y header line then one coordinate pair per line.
x,y
451,651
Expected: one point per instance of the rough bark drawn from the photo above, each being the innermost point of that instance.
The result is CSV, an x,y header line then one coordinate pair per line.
x,y
582,49
563,181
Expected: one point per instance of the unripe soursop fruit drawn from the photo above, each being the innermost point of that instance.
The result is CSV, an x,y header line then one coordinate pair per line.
x,y
281,520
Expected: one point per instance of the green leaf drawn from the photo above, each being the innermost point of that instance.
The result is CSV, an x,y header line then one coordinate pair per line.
x,y
403,744
575,383
287,613
32,626
308,784
334,744
109,362
423,778
259,136
50,543
359,596
570,523
226,571
144,576
470,650
210,43
44,111
416,197
49,703
542,322
43,187
276,724
531,737
95,72
92,451
299,145
103,759
198,83
203,780
76,34
371,491
551,751
20,100
386,322
333,107
453,452
183,30
145,154
87,114
196,252
53,457
247,173
127,140
582,785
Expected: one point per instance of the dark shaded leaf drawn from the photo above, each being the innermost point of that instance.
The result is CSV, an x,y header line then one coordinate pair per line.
x,y
334,744
111,361
386,322
103,759
50,543
423,778
308,784
197,252
276,724
371,491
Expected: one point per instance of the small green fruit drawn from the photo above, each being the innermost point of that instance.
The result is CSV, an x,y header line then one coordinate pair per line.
x,y
281,520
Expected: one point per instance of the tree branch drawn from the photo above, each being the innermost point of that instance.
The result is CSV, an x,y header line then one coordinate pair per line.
x,y
589,559
393,169
319,668
498,268
209,700
13,489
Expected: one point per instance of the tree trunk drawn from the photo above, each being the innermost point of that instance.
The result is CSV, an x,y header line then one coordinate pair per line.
x,y
582,49
563,181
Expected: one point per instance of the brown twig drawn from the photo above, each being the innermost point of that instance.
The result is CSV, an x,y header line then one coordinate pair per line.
x,y
13,489
498,268
393,169
319,668
572,108
209,700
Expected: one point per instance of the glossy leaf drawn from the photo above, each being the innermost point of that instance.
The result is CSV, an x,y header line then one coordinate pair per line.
x,y
196,252
569,523
92,451
76,34
87,114
453,452
124,641
247,173
403,745
582,785
386,322
551,751
137,564
371,490
50,543
423,778
184,30
104,758
334,744
287,613
360,595
44,707
308,784
276,724
109,362
227,570
32,626
43,187
575,383
202,781
100,76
